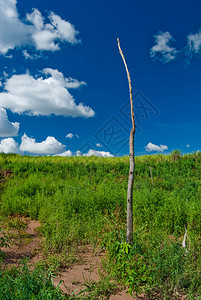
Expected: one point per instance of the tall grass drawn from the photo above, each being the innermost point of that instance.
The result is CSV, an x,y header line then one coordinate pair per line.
x,y
22,284
75,197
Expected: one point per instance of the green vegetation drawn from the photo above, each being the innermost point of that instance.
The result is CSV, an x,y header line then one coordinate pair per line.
x,y
22,284
82,200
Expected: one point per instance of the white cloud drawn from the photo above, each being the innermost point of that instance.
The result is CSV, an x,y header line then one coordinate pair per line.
x,y
29,56
45,95
98,153
99,145
58,77
5,75
70,136
36,19
73,83
49,146
44,40
7,128
15,33
9,145
152,147
188,146
64,30
66,153
78,153
162,51
194,42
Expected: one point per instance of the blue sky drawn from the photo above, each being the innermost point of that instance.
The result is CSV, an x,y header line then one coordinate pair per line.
x,y
63,86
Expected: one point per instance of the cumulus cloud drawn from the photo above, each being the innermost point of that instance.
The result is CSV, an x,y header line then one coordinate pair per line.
x,y
27,55
188,146
99,145
162,50
7,128
66,153
98,153
58,78
78,153
44,96
9,145
33,31
73,83
70,136
30,56
193,46
194,42
49,146
152,147
65,31
5,75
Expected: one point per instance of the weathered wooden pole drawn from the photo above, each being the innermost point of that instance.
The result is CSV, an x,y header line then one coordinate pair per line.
x,y
129,233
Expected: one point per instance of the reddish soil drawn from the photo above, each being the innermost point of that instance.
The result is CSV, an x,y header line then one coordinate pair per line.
x,y
72,279
85,270
24,247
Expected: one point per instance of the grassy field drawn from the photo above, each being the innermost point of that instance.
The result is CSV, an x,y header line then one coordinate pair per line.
x,y
82,200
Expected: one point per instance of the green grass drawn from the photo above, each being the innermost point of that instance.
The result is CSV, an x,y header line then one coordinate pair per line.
x,y
81,200
22,284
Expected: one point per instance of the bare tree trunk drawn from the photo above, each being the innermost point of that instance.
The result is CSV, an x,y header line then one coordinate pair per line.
x,y
151,175
129,233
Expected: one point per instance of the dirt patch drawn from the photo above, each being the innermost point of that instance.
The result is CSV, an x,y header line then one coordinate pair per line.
x,y
87,269
71,279
6,173
121,296
75,278
25,243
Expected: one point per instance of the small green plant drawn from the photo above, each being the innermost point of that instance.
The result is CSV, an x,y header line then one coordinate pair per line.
x,y
56,262
4,242
23,284
4,239
126,262
101,289
16,222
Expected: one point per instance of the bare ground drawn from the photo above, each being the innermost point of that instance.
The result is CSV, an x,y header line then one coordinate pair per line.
x,y
26,246
71,279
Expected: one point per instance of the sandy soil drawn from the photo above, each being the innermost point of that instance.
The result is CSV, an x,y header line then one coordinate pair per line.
x,y
25,247
86,269
72,279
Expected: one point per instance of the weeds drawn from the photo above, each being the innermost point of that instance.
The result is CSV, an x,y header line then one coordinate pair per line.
x,y
101,289
81,200
56,262
23,284
4,239
4,242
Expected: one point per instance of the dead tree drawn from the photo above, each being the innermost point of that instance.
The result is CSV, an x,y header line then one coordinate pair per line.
x,y
129,233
